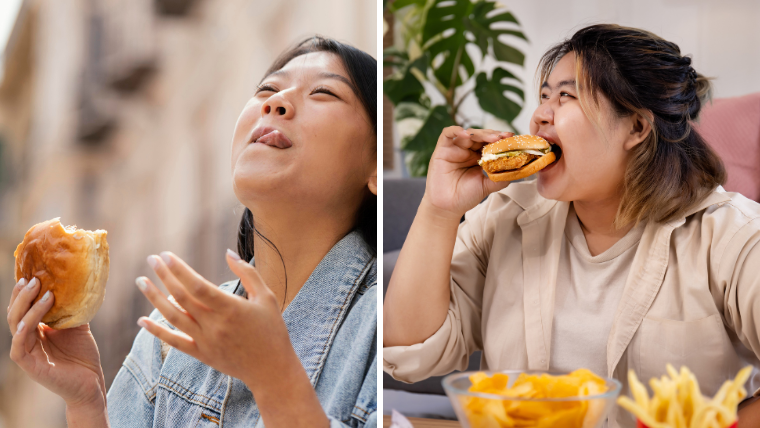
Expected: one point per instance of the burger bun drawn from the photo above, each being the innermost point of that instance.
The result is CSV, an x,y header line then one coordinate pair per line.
x,y
525,171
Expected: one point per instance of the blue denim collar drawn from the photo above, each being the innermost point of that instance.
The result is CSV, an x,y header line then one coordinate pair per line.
x,y
314,316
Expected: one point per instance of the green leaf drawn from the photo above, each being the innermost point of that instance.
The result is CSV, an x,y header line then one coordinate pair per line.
x,y
420,147
405,88
507,53
450,47
481,27
395,57
491,96
410,110
443,36
404,85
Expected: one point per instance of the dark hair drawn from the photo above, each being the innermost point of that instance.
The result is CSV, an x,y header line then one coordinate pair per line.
x,y
362,71
639,72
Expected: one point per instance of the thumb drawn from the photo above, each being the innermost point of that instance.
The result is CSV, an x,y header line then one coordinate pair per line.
x,y
248,274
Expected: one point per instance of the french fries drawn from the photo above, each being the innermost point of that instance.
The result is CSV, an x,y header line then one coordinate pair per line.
x,y
678,403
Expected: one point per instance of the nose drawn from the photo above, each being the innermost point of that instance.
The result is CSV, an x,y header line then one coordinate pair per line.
x,y
277,105
544,114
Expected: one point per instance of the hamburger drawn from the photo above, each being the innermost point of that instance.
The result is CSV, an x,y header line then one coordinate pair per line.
x,y
72,263
516,157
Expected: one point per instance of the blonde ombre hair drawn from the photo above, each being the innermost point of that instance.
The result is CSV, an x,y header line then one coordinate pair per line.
x,y
640,73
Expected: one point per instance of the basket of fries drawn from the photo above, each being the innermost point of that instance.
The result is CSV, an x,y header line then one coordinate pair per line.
x,y
678,403
531,398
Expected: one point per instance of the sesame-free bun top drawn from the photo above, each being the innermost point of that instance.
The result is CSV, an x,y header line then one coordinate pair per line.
x,y
518,142
72,264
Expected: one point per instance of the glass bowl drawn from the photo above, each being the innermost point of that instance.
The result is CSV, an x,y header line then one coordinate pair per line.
x,y
482,410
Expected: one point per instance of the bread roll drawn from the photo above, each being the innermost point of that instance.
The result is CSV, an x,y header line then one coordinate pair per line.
x,y
72,264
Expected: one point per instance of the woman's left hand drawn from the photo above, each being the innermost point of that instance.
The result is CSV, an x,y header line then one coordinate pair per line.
x,y
235,335
245,338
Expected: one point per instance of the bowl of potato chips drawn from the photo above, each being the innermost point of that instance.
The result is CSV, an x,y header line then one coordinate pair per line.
x,y
515,398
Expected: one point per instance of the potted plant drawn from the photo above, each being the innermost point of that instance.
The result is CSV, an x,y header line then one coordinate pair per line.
x,y
433,55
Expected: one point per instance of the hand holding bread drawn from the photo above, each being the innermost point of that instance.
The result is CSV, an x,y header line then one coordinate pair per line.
x,y
61,274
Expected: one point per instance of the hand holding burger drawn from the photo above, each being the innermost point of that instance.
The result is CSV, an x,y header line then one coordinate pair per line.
x,y
455,182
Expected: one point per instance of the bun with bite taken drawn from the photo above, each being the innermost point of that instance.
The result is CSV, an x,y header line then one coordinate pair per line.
x,y
72,264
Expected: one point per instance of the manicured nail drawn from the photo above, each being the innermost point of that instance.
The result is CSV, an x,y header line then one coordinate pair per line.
x,y
233,255
141,283
21,282
152,261
46,297
32,283
166,258
20,327
141,322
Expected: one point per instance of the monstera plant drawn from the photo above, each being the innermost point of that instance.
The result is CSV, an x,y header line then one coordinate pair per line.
x,y
442,40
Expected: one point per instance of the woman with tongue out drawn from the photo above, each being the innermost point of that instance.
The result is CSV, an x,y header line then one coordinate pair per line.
x,y
624,254
292,342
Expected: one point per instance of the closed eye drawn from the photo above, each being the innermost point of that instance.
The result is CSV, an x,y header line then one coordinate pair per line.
x,y
265,88
323,90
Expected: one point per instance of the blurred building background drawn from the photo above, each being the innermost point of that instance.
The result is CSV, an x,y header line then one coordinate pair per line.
x,y
118,115
721,37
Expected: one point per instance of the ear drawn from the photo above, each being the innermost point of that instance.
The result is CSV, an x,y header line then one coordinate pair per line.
x,y
372,183
640,128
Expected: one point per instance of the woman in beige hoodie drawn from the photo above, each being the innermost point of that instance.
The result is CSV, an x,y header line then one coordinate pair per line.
x,y
624,254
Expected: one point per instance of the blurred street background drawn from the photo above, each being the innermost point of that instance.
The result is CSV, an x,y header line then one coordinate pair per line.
x,y
118,115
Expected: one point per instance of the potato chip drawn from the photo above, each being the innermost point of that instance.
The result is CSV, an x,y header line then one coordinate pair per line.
x,y
500,413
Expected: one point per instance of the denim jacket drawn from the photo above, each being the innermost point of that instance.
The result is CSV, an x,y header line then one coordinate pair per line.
x,y
332,323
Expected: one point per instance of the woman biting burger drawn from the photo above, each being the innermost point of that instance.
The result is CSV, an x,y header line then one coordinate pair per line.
x,y
624,254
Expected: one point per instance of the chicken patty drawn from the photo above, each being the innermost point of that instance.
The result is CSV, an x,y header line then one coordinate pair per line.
x,y
508,163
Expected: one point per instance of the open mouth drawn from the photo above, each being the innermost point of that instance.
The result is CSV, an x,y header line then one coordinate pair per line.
x,y
557,150
271,137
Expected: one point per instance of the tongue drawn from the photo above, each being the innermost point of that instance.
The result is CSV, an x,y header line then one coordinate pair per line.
x,y
275,139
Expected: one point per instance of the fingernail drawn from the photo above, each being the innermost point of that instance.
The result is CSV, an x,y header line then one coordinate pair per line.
x,y
166,257
141,322
32,283
233,255
141,283
21,282
46,297
152,261
20,327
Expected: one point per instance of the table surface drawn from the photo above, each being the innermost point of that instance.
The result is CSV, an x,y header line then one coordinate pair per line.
x,y
424,423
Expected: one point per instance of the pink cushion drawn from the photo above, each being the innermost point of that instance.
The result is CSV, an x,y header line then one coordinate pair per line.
x,y
732,127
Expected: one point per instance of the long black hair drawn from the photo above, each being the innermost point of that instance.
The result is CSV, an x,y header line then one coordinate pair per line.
x,y
362,71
